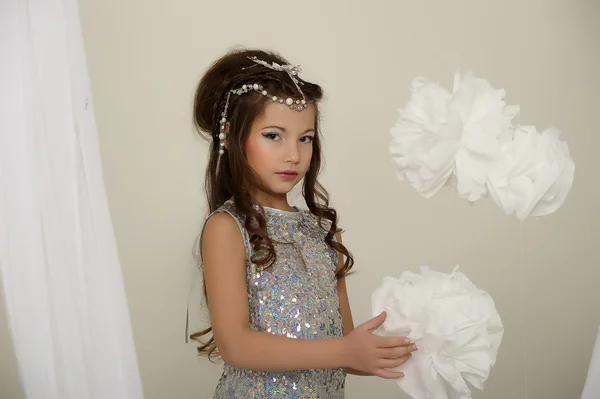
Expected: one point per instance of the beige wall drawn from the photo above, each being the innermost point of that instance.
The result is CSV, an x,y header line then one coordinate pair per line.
x,y
145,57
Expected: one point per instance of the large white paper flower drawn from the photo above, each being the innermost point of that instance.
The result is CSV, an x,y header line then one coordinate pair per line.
x,y
534,175
454,324
466,139
443,137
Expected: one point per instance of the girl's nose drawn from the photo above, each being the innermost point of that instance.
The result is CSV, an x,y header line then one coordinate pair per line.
x,y
293,153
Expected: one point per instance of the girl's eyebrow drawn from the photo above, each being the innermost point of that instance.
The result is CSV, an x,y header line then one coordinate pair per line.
x,y
283,129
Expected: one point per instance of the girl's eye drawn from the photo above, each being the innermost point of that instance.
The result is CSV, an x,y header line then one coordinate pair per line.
x,y
307,139
271,136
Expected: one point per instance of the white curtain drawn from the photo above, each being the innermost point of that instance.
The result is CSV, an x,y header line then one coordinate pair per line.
x,y
591,389
64,292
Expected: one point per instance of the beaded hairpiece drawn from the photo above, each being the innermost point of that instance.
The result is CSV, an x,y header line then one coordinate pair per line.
x,y
297,105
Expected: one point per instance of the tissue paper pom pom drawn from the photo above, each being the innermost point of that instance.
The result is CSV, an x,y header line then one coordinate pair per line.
x,y
534,175
454,324
440,135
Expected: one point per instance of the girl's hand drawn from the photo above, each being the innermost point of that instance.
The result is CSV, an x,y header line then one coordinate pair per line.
x,y
372,354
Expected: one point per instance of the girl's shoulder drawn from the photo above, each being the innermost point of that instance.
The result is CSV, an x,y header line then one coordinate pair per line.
x,y
229,208
221,222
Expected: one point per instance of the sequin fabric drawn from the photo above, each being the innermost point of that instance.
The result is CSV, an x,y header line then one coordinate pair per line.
x,y
297,297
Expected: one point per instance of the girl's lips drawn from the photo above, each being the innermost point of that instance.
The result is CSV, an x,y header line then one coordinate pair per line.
x,y
288,174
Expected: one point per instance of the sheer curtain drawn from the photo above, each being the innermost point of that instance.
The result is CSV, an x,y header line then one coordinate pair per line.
x,y
63,286
591,389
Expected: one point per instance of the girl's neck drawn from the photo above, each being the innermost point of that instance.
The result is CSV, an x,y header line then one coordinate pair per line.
x,y
275,202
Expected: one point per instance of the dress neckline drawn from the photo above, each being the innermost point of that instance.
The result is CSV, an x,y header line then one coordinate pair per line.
x,y
294,210
270,211
275,212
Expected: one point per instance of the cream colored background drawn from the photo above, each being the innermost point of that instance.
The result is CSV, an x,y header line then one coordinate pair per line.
x,y
145,58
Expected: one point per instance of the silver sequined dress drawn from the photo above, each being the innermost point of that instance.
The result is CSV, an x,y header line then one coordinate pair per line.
x,y
297,297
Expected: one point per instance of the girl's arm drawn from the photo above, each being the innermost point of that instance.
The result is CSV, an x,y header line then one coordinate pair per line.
x,y
224,255
345,307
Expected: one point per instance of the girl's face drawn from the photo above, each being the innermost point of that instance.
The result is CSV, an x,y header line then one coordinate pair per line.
x,y
279,148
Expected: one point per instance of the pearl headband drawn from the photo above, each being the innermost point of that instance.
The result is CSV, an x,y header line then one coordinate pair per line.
x,y
297,105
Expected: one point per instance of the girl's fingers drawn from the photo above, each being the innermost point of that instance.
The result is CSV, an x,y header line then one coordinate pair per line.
x,y
388,375
392,353
392,342
393,363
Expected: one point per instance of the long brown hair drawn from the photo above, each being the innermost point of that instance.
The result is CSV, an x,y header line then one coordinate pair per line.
x,y
235,177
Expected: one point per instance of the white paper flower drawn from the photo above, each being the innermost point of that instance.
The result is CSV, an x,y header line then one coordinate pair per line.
x,y
466,139
534,175
454,324
441,135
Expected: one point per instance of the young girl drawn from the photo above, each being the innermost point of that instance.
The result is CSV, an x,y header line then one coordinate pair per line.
x,y
274,275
